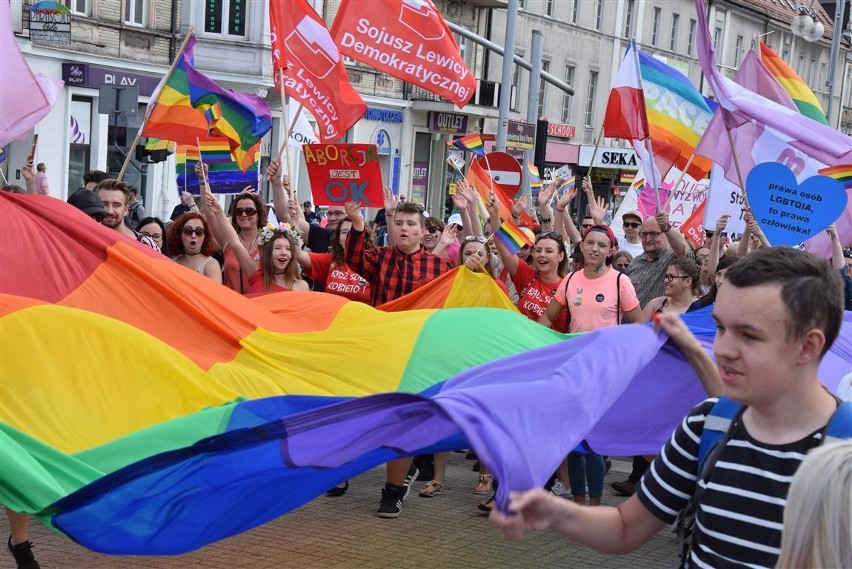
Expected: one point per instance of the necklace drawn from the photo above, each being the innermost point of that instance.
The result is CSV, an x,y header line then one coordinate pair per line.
x,y
253,242
281,273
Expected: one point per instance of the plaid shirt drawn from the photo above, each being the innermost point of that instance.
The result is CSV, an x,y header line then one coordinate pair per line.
x,y
390,272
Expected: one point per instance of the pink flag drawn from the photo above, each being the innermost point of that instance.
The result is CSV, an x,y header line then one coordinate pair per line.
x,y
407,39
25,98
314,73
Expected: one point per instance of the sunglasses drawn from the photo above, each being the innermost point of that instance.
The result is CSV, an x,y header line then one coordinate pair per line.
x,y
649,234
670,278
247,211
631,224
190,231
587,225
432,229
477,238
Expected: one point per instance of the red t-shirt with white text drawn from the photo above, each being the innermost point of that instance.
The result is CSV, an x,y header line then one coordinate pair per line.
x,y
534,295
338,279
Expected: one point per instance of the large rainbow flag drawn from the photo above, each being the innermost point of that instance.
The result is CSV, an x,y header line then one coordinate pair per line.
x,y
677,113
145,409
802,96
225,177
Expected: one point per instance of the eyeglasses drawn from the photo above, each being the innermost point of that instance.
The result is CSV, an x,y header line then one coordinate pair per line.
x,y
432,229
477,238
631,224
649,234
155,236
247,211
702,257
190,231
670,278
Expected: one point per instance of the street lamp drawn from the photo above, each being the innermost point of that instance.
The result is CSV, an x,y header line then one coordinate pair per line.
x,y
806,25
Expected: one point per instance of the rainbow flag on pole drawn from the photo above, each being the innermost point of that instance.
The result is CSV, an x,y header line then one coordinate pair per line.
x,y
842,174
535,178
511,236
802,96
471,143
215,151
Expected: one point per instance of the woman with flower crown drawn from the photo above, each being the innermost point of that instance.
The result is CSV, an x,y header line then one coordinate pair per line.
x,y
279,269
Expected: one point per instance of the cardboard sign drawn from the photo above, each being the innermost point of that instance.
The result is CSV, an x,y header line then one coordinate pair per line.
x,y
789,212
341,173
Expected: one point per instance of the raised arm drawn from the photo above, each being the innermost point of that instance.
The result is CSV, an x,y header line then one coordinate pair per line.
x,y
837,260
544,197
280,191
510,261
676,238
228,233
715,247
597,206
563,222
29,177
217,224
391,201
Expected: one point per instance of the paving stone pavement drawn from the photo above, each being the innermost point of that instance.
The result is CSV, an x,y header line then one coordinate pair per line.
x,y
445,531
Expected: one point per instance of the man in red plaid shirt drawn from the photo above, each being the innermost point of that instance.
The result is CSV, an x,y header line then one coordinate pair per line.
x,y
393,272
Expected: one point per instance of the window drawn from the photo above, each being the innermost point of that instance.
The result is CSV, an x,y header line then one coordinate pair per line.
x,y
567,98
717,35
628,18
590,102
575,12
78,7
800,70
226,17
542,89
522,4
738,51
811,71
690,45
655,27
516,80
822,82
599,15
673,39
548,7
134,12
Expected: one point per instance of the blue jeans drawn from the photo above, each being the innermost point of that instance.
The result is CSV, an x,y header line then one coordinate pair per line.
x,y
583,469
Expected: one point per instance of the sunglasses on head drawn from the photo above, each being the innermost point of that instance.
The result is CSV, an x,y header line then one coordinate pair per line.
x,y
187,230
477,238
555,235
631,224
247,211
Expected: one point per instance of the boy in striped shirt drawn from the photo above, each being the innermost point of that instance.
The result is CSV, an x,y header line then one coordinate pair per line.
x,y
777,314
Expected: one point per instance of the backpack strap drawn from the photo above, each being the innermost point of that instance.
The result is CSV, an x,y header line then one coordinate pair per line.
x,y
716,426
840,425
618,298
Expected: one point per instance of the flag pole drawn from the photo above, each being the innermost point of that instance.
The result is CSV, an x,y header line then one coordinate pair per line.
x,y
679,180
290,129
648,146
737,166
165,80
595,152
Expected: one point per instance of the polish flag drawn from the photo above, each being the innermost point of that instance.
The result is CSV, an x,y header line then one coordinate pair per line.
x,y
625,111
312,67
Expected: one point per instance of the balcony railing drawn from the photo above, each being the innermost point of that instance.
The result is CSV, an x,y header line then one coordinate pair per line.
x,y
487,94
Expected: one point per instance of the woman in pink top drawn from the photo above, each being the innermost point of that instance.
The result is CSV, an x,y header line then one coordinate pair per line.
x,y
279,270
595,297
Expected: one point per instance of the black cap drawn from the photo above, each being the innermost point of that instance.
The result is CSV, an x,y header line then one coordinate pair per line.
x,y
306,204
88,202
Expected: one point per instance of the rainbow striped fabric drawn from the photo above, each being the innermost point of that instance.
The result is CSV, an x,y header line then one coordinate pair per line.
x,y
535,178
220,413
566,185
471,143
215,151
842,174
677,114
511,236
798,90
189,105
224,175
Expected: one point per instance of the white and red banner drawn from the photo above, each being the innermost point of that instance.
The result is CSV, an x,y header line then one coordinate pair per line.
x,y
407,39
314,73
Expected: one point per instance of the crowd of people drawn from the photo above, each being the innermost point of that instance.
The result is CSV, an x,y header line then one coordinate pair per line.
x,y
777,311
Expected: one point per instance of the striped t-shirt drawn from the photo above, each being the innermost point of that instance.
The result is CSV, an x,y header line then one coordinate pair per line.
x,y
740,514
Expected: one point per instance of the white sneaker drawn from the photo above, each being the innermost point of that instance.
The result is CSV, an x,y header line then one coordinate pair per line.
x,y
559,490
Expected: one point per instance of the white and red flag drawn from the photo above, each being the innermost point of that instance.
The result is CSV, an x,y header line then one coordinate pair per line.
x,y
313,69
407,39
626,116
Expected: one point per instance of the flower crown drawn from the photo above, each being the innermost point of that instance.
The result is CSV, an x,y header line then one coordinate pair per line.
x,y
266,232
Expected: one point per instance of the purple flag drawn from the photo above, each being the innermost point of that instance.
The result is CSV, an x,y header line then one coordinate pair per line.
x,y
25,98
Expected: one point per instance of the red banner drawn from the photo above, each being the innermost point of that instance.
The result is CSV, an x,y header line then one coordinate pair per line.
x,y
409,40
342,173
314,73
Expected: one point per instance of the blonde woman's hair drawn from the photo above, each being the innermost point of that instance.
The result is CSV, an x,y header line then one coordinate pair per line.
x,y
818,515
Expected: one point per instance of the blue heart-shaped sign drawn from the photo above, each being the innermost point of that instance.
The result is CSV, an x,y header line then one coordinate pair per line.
x,y
789,212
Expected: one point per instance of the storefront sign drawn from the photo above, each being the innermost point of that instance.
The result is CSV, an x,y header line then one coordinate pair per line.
x,y
450,123
561,130
520,135
50,22
85,75
606,157
383,115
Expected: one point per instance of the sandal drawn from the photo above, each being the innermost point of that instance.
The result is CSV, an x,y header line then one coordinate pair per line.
x,y
488,504
484,486
432,489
